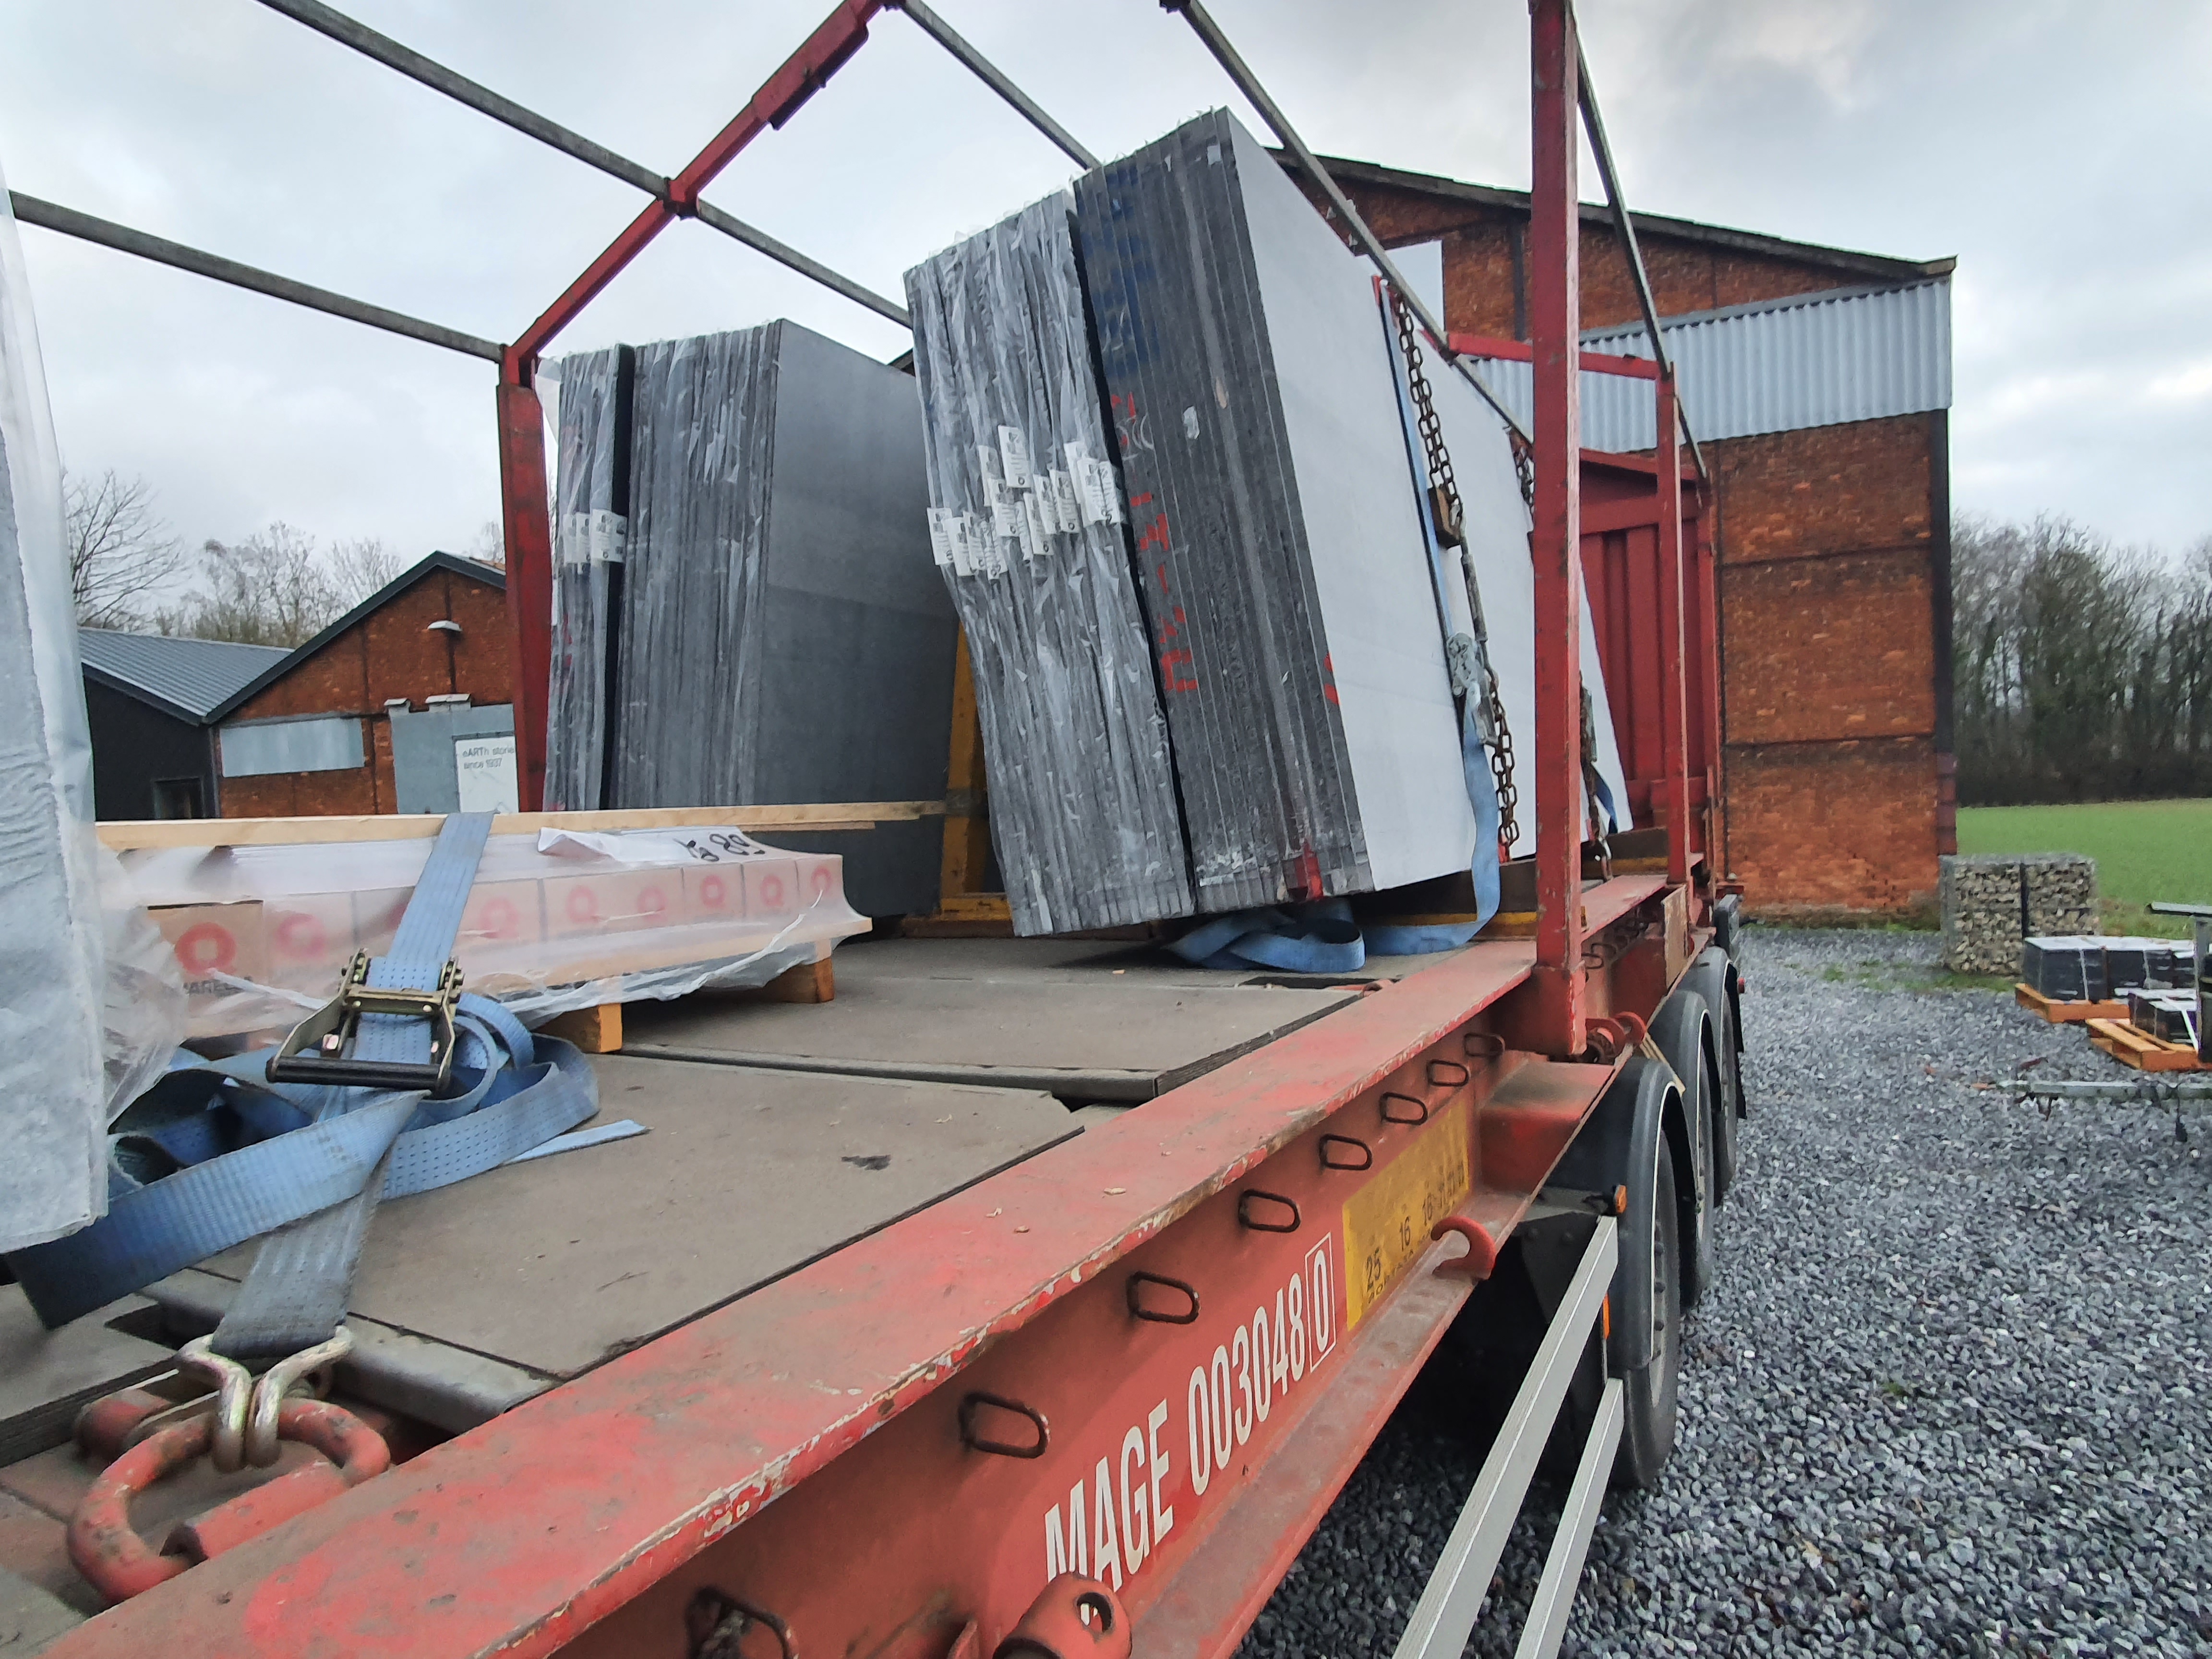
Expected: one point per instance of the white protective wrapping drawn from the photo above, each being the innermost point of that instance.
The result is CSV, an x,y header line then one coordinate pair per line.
x,y
557,921
53,1095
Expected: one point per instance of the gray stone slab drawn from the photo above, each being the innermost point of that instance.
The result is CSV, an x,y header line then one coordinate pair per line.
x,y
1095,1038
46,1376
560,1263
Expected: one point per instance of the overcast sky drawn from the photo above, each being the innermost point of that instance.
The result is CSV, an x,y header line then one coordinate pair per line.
x,y
2060,149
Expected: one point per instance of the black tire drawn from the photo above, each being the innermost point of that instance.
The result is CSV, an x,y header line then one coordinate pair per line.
x,y
1727,1097
1683,1031
1650,1240
1711,977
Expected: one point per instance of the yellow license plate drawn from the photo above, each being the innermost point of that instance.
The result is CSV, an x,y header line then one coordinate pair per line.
x,y
1387,1224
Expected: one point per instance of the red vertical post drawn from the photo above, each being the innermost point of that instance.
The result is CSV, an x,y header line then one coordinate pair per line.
x,y
1555,340
1709,649
1674,665
529,579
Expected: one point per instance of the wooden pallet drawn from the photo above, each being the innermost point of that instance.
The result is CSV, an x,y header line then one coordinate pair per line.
x,y
600,1030
2066,1013
2140,1049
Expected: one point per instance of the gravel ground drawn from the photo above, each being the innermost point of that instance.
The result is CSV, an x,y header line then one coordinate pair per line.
x,y
1948,1395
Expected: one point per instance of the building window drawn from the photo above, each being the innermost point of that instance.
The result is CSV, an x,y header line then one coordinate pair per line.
x,y
178,798
328,743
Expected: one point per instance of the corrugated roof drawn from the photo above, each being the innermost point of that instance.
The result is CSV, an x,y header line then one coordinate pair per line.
x,y
1809,359
193,677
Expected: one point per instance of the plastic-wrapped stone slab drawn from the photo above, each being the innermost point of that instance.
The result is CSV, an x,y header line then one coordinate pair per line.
x,y
782,635
591,529
1280,559
1029,530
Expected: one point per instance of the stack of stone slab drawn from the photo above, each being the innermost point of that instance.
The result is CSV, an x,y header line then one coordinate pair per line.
x,y
776,634
1028,527
1224,374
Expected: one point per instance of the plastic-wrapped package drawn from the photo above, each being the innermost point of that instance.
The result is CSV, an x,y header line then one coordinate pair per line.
x,y
779,635
591,530
1029,528
555,920
52,1082
1286,574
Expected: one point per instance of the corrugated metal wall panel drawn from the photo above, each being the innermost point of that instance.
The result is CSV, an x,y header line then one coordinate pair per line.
x,y
1778,366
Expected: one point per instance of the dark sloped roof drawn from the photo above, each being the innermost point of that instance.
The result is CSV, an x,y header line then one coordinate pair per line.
x,y
1879,266
489,574
188,679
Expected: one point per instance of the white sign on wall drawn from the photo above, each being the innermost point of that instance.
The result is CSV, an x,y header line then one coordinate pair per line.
x,y
485,769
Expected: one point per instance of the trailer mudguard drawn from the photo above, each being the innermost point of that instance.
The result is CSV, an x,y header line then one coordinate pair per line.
x,y
1619,1147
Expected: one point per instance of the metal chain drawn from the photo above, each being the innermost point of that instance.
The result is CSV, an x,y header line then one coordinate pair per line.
x,y
1448,517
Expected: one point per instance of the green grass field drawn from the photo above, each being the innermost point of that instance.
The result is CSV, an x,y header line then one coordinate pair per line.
x,y
2145,850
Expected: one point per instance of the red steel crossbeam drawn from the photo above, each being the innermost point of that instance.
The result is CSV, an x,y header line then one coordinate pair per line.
x,y
1674,663
1520,351
1555,337
522,418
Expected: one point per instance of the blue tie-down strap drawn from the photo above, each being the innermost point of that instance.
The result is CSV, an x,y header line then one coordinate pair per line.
x,y
1320,937
214,1155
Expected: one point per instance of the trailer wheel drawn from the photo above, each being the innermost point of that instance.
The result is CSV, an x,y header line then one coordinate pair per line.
x,y
1683,1030
1647,1434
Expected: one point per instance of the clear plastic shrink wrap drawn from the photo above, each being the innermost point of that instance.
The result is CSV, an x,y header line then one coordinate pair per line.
x,y
1028,526
80,1028
556,920
591,533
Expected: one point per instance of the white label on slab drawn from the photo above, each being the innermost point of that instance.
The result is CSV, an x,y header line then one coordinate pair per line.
x,y
1109,492
485,769
609,537
1063,493
1014,452
941,536
1034,529
1190,425
575,538
1089,505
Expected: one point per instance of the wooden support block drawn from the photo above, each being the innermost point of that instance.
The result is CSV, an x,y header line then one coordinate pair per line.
x,y
810,982
2065,1013
595,1030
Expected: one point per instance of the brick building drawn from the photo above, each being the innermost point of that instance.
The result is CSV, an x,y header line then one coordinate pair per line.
x,y
1817,383
405,704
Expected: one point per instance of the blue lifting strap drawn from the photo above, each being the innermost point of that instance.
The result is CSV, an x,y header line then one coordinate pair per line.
x,y
215,1154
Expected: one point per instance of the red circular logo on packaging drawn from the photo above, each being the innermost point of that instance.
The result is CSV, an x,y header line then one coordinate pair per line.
x,y
652,902
583,904
206,948
772,892
822,881
499,919
300,936
712,893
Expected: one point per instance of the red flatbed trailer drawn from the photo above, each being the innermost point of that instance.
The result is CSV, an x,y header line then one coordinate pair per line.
x,y
1149,1355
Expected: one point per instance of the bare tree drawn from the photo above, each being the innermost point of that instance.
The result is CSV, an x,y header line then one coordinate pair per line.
x,y
2082,671
120,553
490,546
269,589
359,568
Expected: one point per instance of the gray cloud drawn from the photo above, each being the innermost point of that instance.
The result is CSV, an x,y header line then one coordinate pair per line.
x,y
2058,150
